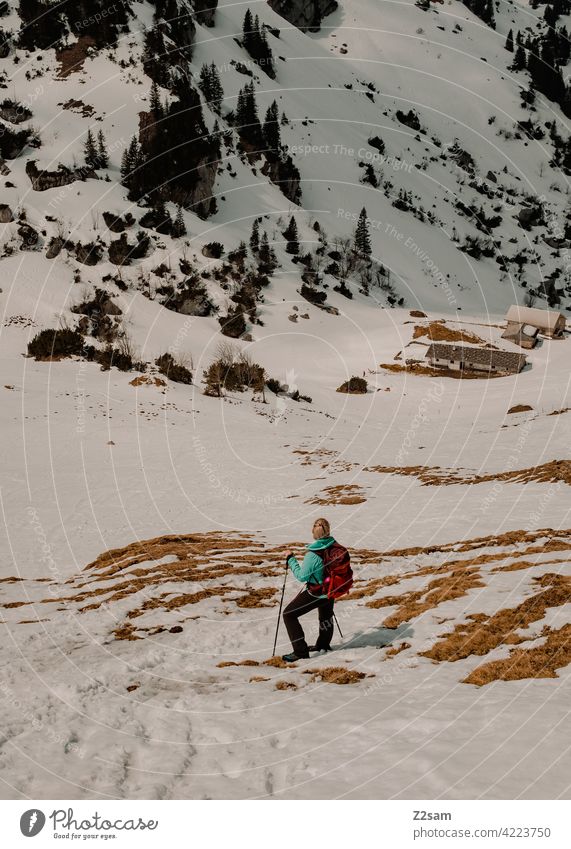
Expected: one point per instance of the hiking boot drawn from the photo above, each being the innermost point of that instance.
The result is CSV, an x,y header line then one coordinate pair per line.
x,y
291,658
320,648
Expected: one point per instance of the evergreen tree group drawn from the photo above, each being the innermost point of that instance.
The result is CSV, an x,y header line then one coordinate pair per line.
x,y
95,150
247,120
163,160
255,42
211,87
271,130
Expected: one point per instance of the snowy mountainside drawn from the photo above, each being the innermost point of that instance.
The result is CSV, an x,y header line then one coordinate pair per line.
x,y
145,519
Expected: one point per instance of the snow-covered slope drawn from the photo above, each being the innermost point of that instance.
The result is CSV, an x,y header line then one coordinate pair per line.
x,y
115,679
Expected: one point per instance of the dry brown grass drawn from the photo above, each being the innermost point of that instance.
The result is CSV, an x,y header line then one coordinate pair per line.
x,y
341,494
256,679
286,685
372,586
336,675
437,331
447,588
520,408
538,662
147,380
193,558
226,663
551,472
483,633
394,650
71,59
278,662
430,371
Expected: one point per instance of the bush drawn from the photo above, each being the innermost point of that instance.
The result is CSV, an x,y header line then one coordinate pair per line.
x,y
56,343
213,250
111,356
354,386
173,370
233,375
234,324
314,296
297,396
274,385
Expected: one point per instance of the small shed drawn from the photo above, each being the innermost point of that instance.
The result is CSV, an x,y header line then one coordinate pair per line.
x,y
467,358
521,321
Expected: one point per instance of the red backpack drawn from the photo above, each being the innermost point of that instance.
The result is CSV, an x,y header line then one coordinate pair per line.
x,y
337,572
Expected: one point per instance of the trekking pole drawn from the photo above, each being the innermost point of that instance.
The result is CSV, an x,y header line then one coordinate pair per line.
x,y
280,611
338,628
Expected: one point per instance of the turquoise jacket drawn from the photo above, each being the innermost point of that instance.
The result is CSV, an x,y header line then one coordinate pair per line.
x,y
310,571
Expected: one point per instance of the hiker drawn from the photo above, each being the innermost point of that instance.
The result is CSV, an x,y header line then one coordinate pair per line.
x,y
310,572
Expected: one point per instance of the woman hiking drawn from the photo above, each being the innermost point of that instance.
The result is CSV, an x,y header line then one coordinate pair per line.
x,y
310,572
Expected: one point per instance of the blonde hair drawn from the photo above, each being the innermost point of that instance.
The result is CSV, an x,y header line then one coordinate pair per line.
x,y
324,526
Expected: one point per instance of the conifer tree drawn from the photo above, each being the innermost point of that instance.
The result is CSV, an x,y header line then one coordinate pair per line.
x,y
510,41
362,235
255,237
247,115
247,30
102,155
217,91
520,60
155,102
90,150
291,235
179,227
271,129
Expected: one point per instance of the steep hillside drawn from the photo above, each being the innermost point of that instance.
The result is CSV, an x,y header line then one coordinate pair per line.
x,y
214,221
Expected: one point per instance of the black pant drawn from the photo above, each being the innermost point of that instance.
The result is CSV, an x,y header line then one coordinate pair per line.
x,y
301,604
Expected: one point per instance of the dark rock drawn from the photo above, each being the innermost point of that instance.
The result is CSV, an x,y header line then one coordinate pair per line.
x,y
6,214
205,12
44,180
304,14
28,235
54,247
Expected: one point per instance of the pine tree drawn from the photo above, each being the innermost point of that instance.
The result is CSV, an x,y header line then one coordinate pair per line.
x,y
510,41
131,161
102,155
291,235
255,237
264,253
247,115
520,60
155,102
271,129
247,30
179,227
217,91
362,235
255,42
90,150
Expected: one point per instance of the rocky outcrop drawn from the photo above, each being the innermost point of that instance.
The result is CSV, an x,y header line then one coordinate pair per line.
x,y
43,180
305,14
285,175
46,24
28,235
12,142
6,214
205,11
200,198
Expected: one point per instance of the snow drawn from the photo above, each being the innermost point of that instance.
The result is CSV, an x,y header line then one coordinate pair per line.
x,y
91,463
